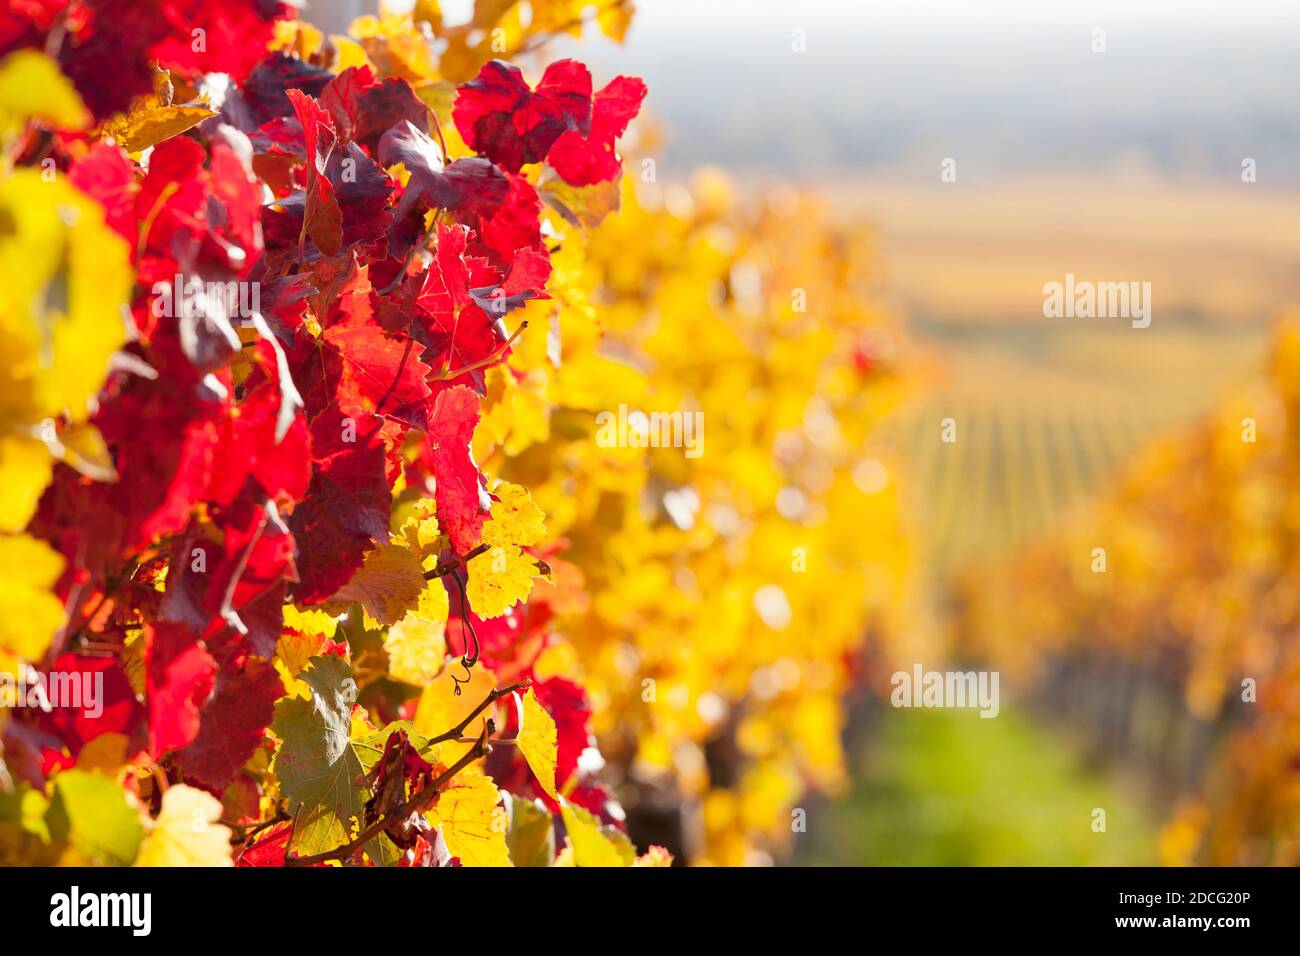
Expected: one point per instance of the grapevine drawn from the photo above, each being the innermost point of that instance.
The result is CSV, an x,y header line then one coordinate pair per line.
x,y
309,342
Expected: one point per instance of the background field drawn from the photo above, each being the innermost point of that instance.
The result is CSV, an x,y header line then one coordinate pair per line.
x,y
1049,408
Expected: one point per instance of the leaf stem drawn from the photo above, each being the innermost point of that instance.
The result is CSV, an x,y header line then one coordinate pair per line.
x,y
491,359
455,563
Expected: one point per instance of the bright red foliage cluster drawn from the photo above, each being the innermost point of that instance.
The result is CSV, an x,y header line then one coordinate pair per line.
x,y
111,45
257,454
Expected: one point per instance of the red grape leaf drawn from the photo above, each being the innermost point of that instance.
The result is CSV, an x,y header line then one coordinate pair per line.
x,y
232,723
108,176
322,218
178,673
346,507
364,109
269,849
498,116
456,494
585,159
381,372
118,710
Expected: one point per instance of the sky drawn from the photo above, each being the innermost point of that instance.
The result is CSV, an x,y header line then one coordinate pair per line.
x,y
1184,89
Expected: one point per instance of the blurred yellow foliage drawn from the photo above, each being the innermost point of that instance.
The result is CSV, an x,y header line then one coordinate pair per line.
x,y
1199,595
64,280
733,580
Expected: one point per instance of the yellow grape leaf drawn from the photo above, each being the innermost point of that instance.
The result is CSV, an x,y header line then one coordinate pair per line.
x,y
299,38
150,126
186,832
82,447
148,123
25,469
419,531
416,648
472,821
33,86
517,412
310,621
131,660
350,53
292,652
503,575
593,844
499,579
553,16
152,118
388,585
537,742
656,856
394,48
515,519
64,279
614,20
433,604
33,614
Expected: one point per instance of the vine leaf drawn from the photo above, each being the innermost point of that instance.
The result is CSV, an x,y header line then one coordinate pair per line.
x,y
537,742
320,769
472,822
186,832
388,585
593,844
532,833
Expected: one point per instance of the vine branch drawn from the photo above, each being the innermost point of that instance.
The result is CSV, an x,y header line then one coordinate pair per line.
x,y
416,804
496,694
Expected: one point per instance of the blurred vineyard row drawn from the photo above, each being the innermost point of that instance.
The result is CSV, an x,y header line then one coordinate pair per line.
x,y
1046,416
1014,472
1163,623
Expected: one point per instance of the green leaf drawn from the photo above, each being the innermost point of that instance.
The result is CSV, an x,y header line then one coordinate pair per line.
x,y
382,851
531,837
94,814
321,771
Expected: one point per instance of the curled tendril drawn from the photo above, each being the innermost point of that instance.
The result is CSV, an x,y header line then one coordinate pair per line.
x,y
467,661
